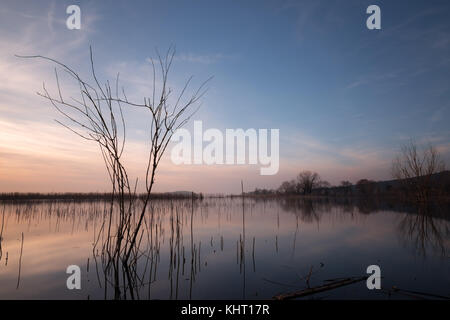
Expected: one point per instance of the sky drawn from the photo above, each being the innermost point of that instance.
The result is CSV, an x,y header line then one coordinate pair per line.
x,y
344,98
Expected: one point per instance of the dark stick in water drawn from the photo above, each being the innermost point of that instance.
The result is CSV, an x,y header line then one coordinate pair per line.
x,y
326,287
20,263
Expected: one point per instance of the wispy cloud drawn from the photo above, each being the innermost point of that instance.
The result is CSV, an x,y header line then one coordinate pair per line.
x,y
204,59
374,78
313,16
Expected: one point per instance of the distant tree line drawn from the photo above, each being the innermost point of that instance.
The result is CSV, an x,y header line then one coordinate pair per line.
x,y
72,196
304,183
419,175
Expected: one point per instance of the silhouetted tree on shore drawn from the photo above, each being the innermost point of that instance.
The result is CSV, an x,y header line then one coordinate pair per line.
x,y
307,180
415,169
304,184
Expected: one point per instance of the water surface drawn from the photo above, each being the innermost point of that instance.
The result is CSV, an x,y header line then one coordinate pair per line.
x,y
224,249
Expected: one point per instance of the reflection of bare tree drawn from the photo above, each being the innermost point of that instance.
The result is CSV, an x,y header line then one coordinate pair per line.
x,y
367,205
165,219
347,206
304,208
425,231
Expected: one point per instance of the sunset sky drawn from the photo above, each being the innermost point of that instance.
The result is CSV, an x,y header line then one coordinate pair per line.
x,y
344,98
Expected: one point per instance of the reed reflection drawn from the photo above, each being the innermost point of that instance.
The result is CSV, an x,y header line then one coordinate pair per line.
x,y
216,248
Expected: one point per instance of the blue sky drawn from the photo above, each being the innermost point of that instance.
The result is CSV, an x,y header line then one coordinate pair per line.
x,y
345,98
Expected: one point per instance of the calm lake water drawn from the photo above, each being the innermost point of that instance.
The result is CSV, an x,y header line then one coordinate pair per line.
x,y
222,249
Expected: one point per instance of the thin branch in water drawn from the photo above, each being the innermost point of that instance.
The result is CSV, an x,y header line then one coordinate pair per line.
x,y
20,264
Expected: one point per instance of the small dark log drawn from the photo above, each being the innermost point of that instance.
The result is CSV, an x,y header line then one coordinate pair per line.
x,y
326,287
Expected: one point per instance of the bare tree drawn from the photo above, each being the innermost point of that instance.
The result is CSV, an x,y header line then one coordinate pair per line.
x,y
323,184
346,186
415,168
97,115
287,187
307,181
346,183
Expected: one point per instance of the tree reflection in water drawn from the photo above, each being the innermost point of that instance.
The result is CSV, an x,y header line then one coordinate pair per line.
x,y
422,227
427,229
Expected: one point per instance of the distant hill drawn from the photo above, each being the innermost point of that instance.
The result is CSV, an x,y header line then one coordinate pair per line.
x,y
365,187
441,181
